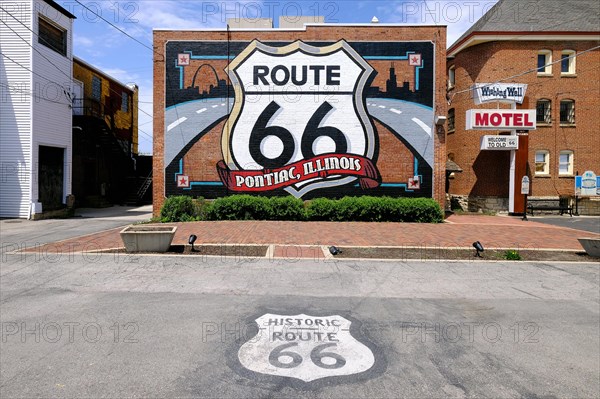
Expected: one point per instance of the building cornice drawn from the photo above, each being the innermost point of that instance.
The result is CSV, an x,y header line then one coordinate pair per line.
x,y
100,72
476,38
300,29
60,9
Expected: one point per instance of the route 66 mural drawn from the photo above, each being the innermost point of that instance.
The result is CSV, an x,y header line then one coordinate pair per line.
x,y
304,119
306,348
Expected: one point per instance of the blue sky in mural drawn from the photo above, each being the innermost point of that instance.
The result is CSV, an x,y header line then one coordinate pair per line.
x,y
124,58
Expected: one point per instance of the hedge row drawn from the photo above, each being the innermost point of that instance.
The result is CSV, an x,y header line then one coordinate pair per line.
x,y
347,209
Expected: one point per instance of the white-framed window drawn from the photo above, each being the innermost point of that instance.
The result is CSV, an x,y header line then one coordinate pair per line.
x,y
565,163
451,76
52,36
544,62
567,112
544,111
542,162
124,102
567,62
96,88
451,120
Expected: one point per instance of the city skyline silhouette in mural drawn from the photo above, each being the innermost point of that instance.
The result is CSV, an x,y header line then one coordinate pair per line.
x,y
404,92
223,89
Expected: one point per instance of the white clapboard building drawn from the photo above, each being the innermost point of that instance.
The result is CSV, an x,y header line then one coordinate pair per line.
x,y
35,106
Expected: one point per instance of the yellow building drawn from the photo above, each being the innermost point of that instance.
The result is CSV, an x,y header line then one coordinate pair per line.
x,y
105,138
103,96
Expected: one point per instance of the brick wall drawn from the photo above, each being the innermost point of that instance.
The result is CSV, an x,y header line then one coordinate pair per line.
x,y
485,173
329,33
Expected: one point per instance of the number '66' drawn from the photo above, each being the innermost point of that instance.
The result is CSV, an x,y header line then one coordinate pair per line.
x,y
316,356
311,133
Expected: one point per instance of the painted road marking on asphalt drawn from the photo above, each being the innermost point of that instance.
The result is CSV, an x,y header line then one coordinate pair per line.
x,y
176,123
305,347
215,106
201,111
394,110
423,125
382,106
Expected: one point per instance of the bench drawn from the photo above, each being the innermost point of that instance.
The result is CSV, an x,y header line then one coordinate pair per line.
x,y
550,204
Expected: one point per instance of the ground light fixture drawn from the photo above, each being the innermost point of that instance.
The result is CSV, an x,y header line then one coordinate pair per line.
x,y
192,240
479,248
334,250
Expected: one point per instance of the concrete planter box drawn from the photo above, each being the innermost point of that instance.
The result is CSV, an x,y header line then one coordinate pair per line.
x,y
146,238
591,246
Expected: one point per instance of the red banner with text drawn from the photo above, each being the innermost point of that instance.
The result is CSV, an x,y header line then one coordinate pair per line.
x,y
321,166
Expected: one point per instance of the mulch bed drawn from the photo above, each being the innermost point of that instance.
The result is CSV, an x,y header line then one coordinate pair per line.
x,y
433,254
245,251
396,253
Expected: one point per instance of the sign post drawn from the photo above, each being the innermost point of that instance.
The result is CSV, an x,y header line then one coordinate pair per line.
x,y
525,192
578,183
512,119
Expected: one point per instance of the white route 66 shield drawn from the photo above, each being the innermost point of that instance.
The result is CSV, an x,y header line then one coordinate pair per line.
x,y
294,104
305,347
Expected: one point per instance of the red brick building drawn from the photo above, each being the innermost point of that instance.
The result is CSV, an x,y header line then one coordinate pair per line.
x,y
317,111
552,47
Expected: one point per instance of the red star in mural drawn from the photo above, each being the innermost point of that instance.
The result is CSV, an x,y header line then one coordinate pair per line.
x,y
184,59
414,183
415,60
183,181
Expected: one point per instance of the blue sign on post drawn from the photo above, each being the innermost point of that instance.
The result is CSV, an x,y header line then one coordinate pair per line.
x,y
578,184
589,183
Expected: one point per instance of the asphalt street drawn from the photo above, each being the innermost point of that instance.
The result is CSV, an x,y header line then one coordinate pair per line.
x,y
143,326
19,233
584,223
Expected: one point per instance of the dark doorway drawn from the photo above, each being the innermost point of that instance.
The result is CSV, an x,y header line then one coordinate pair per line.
x,y
51,177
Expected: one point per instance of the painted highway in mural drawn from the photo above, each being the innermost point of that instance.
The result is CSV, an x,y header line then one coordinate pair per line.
x,y
186,122
411,121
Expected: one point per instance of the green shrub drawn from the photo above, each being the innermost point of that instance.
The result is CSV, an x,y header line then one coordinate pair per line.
x,y
420,210
201,208
321,209
375,209
239,207
178,209
287,208
512,254
248,207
